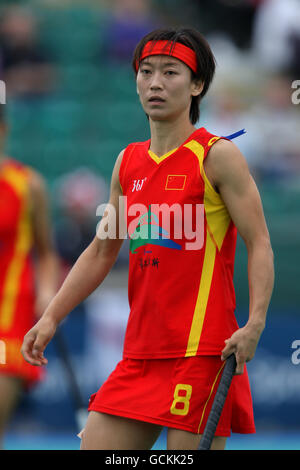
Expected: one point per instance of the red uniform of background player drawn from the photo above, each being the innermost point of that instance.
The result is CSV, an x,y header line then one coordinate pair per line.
x,y
26,286
173,71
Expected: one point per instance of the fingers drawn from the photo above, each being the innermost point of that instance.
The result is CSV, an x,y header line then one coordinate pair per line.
x,y
231,348
27,348
38,351
240,363
33,349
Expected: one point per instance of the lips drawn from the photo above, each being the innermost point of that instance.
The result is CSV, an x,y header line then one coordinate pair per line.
x,y
156,99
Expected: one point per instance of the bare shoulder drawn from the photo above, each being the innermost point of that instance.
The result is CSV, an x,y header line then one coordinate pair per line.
x,y
225,163
117,164
120,158
115,173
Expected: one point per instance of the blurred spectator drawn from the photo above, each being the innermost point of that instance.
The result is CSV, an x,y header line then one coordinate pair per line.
x,y
24,65
272,142
227,113
274,123
78,195
264,108
127,23
229,18
275,33
294,68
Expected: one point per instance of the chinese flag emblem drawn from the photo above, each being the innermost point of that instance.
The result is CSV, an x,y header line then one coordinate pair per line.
x,y
175,182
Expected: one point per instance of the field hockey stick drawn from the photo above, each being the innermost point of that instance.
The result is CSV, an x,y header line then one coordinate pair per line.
x,y
218,403
80,408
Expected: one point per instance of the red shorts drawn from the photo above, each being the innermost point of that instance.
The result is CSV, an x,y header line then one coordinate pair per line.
x,y
175,393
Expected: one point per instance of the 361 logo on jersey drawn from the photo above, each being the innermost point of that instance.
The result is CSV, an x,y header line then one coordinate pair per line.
x,y
138,184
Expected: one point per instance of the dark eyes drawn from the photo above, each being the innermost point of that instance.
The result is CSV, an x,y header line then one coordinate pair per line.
x,y
167,72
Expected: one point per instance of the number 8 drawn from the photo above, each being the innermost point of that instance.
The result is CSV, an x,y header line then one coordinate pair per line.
x,y
181,399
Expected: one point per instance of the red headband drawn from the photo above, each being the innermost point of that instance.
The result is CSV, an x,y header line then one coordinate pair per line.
x,y
177,50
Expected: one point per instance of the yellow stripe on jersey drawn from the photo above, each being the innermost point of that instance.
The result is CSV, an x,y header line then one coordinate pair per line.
x,y
202,298
218,220
22,247
210,394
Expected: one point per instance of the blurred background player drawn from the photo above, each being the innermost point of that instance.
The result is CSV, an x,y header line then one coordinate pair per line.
x,y
28,270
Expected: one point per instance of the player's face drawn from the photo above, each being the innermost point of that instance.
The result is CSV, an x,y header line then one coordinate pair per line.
x,y
165,87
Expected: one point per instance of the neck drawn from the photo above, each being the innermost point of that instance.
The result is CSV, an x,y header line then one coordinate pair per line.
x,y
166,135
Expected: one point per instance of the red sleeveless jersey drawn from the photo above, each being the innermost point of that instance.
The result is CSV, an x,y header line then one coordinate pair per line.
x,y
17,294
182,247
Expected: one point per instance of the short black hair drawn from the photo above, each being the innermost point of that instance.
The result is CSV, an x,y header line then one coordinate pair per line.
x,y
206,63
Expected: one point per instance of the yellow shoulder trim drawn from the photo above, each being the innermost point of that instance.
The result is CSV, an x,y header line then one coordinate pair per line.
x,y
217,216
17,179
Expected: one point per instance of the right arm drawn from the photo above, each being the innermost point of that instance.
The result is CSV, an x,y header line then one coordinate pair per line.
x,y
87,274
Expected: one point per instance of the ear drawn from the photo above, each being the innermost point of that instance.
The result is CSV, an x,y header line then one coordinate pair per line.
x,y
197,87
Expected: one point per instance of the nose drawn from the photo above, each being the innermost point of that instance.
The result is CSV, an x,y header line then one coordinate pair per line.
x,y
156,83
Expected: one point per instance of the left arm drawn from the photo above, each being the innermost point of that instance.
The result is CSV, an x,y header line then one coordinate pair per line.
x,y
228,171
46,266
